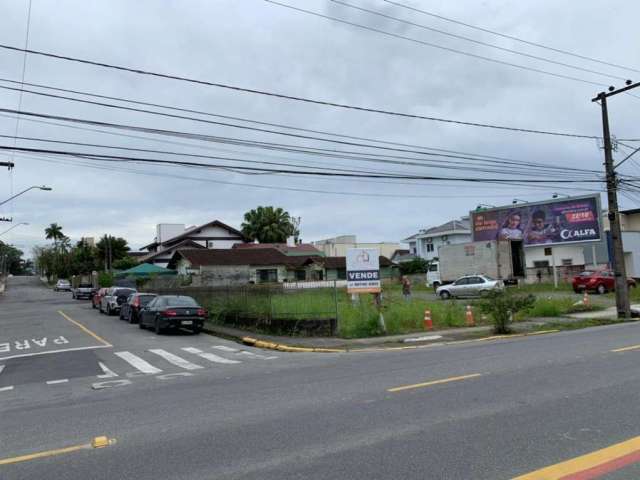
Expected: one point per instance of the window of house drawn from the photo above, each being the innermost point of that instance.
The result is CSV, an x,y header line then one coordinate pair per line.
x,y
567,262
301,275
210,244
269,275
342,273
548,251
429,247
541,263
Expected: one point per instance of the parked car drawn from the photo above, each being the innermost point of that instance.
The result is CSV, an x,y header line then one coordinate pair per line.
x,y
130,310
114,298
83,290
469,286
601,281
62,286
97,297
172,311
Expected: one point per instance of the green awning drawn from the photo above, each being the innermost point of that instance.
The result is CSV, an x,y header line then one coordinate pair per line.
x,y
145,270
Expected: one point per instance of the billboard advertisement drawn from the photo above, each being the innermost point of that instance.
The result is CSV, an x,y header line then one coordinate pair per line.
x,y
569,220
363,270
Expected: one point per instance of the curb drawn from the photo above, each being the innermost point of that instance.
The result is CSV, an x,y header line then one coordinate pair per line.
x,y
281,347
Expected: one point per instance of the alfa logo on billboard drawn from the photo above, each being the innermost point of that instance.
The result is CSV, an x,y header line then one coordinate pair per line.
x,y
363,270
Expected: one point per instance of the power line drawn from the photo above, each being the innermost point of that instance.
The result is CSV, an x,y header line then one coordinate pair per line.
x,y
248,120
297,98
510,37
289,148
477,42
120,158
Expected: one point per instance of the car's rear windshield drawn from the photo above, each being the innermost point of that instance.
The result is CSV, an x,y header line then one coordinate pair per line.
x,y
587,273
124,292
85,285
144,299
180,301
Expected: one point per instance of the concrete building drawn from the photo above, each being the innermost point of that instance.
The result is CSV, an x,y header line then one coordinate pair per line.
x,y
172,237
426,242
338,246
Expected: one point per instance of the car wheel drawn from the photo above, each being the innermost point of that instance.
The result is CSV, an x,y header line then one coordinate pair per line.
x,y
156,327
601,289
444,295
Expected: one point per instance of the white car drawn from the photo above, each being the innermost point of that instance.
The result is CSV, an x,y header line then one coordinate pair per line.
x,y
62,286
469,286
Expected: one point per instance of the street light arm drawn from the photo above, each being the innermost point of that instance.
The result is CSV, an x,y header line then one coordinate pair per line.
x,y
25,191
11,228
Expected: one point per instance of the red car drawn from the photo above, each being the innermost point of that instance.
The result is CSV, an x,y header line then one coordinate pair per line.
x,y
601,281
97,297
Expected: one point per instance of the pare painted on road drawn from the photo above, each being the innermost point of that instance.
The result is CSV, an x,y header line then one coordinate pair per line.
x,y
28,344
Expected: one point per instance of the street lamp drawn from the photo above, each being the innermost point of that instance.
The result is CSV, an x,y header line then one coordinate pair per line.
x,y
516,200
43,187
16,225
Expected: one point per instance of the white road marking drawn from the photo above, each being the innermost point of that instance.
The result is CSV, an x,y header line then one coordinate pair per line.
x,y
1,368
224,348
107,373
55,351
176,360
255,355
110,384
138,363
209,356
6,389
54,382
169,376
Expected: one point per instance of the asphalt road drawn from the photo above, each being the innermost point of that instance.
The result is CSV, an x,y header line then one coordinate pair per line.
x,y
498,410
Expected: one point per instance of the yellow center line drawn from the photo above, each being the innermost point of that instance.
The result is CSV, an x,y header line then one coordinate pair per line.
x,y
97,442
85,329
625,349
433,382
599,458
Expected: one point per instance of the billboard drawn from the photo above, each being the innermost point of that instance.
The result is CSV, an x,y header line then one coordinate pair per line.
x,y
363,270
569,220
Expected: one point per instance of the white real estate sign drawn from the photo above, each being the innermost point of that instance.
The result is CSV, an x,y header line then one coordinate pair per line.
x,y
363,270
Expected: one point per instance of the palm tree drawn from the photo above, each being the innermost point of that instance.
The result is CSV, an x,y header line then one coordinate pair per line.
x,y
54,232
268,225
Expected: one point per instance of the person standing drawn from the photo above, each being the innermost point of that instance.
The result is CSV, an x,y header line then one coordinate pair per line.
x,y
406,288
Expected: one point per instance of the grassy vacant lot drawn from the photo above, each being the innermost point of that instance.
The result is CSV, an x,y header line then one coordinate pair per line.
x,y
361,319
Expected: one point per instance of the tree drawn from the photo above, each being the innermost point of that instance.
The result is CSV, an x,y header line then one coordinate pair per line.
x,y
54,232
10,259
125,263
502,306
268,225
417,265
110,248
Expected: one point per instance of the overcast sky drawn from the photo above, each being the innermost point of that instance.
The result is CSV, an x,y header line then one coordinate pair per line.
x,y
254,44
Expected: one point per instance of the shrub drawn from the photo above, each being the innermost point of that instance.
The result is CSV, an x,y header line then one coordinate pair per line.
x,y
501,306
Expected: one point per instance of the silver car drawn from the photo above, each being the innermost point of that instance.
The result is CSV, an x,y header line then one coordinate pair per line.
x,y
62,286
469,286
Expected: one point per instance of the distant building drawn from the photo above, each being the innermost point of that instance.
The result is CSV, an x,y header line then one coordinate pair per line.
x,y
88,241
425,243
172,237
338,246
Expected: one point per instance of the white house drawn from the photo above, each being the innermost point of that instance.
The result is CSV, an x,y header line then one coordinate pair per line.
x,y
172,237
426,242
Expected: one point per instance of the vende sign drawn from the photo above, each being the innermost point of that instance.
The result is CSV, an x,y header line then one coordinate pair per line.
x,y
363,270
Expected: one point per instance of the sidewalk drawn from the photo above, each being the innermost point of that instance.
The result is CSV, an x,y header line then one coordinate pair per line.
x,y
416,338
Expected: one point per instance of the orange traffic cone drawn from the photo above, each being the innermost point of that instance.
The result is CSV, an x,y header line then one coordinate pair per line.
x,y
428,323
470,321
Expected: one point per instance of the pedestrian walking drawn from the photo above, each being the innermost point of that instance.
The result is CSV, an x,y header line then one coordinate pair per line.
x,y
406,288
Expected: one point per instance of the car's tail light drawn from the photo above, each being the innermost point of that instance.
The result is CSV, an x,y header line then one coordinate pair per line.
x,y
202,312
170,313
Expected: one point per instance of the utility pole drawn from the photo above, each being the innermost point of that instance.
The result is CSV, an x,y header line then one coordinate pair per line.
x,y
619,270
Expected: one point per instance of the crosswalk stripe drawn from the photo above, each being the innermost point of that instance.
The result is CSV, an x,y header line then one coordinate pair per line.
x,y
255,355
209,356
176,360
137,362
6,389
54,382
225,348
107,372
